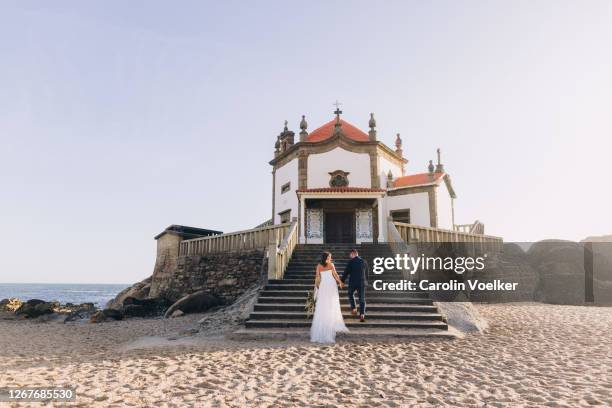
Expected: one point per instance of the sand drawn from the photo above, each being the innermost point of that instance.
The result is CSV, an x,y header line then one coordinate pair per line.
x,y
530,355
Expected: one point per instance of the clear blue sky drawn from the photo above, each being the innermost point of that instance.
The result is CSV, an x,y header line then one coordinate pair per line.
x,y
119,118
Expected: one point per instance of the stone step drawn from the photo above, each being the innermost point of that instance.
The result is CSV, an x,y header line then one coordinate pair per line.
x,y
426,324
371,315
310,263
282,298
383,307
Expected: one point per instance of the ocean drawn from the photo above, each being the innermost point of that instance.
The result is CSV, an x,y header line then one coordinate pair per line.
x,y
97,294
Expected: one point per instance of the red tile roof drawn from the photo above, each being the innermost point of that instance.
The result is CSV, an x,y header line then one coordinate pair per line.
x,y
342,190
417,180
325,132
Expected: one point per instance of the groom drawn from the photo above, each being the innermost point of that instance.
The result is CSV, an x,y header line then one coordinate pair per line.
x,y
357,271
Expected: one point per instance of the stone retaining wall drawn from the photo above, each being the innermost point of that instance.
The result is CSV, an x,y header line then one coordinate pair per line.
x,y
227,275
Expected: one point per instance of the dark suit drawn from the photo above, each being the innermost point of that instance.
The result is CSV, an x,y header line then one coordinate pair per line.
x,y
357,271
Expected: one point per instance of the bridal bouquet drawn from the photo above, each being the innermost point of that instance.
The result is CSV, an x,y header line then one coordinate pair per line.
x,y
311,301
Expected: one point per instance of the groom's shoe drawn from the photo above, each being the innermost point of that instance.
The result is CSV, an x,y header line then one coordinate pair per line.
x,y
354,312
362,318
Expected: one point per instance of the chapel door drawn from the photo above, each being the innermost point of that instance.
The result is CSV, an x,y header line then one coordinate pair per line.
x,y
340,227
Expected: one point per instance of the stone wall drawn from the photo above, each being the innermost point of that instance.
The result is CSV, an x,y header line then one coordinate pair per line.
x,y
227,275
165,262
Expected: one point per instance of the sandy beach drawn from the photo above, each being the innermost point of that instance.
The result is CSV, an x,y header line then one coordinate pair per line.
x,y
531,355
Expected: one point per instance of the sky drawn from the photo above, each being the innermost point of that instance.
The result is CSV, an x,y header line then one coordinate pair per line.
x,y
119,118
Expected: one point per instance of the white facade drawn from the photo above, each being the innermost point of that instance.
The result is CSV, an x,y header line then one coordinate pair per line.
x,y
417,203
445,207
356,164
288,200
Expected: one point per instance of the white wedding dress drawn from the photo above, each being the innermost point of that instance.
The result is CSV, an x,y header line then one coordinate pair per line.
x,y
327,319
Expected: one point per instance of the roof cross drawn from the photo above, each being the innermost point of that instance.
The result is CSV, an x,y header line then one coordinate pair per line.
x,y
337,112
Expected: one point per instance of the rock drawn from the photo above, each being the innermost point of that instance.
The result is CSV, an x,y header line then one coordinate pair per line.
x,y
560,265
98,317
196,302
228,282
113,314
144,307
73,316
134,311
106,314
34,308
463,316
10,305
86,307
138,290
177,313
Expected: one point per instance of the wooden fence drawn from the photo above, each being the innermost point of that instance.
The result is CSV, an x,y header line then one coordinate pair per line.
x,y
257,238
413,234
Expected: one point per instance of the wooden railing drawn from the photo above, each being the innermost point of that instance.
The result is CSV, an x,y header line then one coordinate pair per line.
x,y
476,228
417,234
280,255
257,238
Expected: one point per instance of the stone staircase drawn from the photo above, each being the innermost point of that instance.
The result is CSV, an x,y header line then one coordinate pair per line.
x,y
280,307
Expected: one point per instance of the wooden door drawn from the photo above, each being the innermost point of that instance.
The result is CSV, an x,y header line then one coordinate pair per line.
x,y
340,227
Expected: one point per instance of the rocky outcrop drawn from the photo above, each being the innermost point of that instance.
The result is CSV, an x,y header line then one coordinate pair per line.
x,y
139,290
35,308
196,302
560,266
562,274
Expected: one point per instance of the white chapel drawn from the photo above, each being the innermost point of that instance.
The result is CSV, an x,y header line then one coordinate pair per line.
x,y
342,184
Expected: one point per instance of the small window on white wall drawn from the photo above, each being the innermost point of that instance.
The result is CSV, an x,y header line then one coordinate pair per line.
x,y
285,187
401,215
285,216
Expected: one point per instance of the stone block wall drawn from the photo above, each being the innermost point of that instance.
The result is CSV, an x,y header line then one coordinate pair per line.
x,y
165,261
226,275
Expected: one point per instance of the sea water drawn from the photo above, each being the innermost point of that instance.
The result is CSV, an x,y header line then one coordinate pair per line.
x,y
97,294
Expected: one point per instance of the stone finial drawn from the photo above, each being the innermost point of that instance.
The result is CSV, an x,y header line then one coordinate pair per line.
x,y
372,124
398,146
389,179
285,129
303,123
431,167
303,127
439,166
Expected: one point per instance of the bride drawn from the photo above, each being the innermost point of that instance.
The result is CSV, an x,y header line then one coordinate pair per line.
x,y
327,319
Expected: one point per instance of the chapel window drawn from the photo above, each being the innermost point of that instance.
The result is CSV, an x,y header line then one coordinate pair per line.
x,y
401,215
285,216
